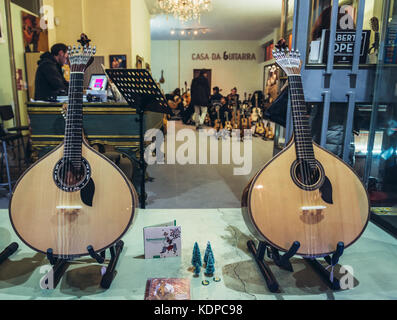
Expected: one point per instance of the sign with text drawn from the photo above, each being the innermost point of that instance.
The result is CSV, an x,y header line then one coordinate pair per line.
x,y
226,56
344,46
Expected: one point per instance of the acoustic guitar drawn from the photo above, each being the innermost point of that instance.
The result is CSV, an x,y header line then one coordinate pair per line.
x,y
218,122
173,104
228,124
236,119
259,126
73,197
186,97
269,131
314,198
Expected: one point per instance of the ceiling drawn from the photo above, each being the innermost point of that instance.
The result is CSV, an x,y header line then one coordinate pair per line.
x,y
228,20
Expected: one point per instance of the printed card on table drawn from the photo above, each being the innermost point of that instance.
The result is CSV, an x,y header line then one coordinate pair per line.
x,y
162,241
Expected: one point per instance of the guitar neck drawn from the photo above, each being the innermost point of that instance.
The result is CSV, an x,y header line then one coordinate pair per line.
x,y
74,121
302,130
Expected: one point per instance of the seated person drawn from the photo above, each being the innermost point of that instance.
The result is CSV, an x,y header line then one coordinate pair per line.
x,y
215,102
234,99
49,82
174,101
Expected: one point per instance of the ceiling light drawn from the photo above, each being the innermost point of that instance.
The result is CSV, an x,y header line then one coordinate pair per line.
x,y
185,10
172,32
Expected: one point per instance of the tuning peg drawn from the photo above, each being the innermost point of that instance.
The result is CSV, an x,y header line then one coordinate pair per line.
x,y
94,50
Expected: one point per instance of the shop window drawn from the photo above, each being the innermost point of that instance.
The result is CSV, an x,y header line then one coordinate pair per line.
x,y
319,31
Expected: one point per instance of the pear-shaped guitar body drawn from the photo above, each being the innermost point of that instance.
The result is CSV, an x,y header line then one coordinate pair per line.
x,y
278,209
49,211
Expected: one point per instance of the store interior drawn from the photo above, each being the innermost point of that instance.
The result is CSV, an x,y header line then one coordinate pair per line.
x,y
188,167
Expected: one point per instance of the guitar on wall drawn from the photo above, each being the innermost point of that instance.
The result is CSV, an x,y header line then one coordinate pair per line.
x,y
74,197
314,198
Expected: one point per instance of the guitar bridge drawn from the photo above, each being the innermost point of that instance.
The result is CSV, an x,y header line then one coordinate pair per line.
x,y
69,210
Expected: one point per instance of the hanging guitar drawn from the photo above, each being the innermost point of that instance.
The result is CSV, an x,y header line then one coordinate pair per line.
x,y
314,198
74,197
162,80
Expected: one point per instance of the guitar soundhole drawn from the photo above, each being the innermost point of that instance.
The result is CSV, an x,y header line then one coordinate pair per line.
x,y
307,176
71,178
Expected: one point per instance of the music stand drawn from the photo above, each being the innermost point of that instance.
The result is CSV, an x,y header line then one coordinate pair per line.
x,y
141,92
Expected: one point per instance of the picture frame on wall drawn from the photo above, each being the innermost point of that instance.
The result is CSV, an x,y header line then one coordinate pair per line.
x,y
35,39
118,61
139,62
2,35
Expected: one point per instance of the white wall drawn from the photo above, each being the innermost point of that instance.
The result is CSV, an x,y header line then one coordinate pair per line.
x,y
246,75
140,31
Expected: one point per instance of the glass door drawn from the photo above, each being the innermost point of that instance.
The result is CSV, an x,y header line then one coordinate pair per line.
x,y
381,165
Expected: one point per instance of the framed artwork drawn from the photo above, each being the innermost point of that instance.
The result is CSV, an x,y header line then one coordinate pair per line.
x,y
118,61
2,35
35,39
139,62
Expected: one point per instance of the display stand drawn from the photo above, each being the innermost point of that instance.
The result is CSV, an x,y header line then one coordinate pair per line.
x,y
283,262
60,265
142,93
9,251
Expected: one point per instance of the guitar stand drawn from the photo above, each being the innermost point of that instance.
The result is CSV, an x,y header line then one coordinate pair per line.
x,y
59,265
326,275
283,262
9,251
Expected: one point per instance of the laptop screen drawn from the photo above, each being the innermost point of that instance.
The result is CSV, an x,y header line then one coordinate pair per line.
x,y
98,82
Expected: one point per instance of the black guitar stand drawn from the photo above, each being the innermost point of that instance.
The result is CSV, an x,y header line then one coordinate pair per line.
x,y
283,262
60,265
141,92
9,251
324,273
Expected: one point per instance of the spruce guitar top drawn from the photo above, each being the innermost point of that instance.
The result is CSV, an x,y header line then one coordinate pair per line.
x,y
74,197
305,193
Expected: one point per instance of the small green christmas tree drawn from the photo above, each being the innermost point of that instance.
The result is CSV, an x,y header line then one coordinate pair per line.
x,y
208,250
210,269
196,258
197,270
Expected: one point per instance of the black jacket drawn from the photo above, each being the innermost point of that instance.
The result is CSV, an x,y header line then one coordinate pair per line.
x,y
200,92
49,78
215,98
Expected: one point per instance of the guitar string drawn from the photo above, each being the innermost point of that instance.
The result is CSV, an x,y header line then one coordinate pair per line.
x,y
75,100
302,142
311,195
301,155
299,126
299,92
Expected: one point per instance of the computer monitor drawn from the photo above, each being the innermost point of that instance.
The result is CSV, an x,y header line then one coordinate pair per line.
x,y
98,82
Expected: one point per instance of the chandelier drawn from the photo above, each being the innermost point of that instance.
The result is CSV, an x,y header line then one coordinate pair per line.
x,y
185,10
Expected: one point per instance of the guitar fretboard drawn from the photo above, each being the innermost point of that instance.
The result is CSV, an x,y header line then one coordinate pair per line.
x,y
302,130
74,121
